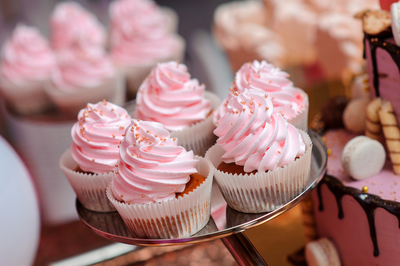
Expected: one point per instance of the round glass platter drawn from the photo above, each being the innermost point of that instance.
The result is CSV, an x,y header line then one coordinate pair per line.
x,y
223,222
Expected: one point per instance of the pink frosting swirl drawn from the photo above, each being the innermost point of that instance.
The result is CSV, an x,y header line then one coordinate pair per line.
x,y
73,26
139,33
255,136
79,69
169,96
26,57
265,77
151,168
97,135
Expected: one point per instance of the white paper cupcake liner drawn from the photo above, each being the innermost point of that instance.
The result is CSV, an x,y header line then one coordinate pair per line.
x,y
27,99
174,218
70,103
90,189
199,137
262,192
136,74
300,121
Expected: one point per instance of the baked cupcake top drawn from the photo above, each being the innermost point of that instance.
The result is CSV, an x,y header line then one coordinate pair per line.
x,y
72,26
151,167
79,69
170,97
255,136
139,33
266,78
25,57
97,135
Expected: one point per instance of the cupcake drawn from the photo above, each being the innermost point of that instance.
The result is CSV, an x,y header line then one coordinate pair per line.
x,y
89,163
159,189
72,26
25,66
82,76
288,100
140,37
169,96
260,160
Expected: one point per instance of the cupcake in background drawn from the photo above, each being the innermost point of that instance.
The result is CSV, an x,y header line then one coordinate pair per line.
x,y
157,180
260,161
74,27
89,163
169,96
140,37
82,76
25,67
290,101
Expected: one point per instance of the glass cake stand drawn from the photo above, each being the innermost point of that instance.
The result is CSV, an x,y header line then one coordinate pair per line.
x,y
225,223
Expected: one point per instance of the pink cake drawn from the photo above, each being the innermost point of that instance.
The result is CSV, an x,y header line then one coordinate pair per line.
x,y
363,226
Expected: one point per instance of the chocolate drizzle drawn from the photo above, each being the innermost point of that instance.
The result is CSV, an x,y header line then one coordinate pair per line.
x,y
384,41
368,202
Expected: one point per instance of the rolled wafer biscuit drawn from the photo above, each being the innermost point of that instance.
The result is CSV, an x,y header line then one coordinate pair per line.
x,y
392,134
373,127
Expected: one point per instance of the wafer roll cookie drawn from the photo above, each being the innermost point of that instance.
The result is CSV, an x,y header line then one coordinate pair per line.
x,y
392,134
373,127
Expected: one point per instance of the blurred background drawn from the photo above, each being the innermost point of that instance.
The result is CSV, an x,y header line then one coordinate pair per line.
x,y
319,43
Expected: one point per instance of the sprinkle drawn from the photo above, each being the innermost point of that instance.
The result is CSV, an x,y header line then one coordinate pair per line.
x,y
126,116
132,154
134,144
381,191
132,129
251,103
373,182
282,114
364,189
116,165
113,135
395,192
252,98
149,148
122,196
135,125
118,146
251,111
155,136
216,122
138,156
266,108
138,120
269,81
244,110
279,152
329,151
143,195
119,114
173,139
259,104
148,131
121,127
137,128
120,142
147,138
150,143
123,135
112,109
88,140
93,160
323,139
95,110
231,124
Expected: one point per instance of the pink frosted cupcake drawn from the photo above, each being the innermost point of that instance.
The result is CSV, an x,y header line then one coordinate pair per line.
x,y
82,76
140,37
25,67
169,96
159,189
288,100
89,163
72,26
260,161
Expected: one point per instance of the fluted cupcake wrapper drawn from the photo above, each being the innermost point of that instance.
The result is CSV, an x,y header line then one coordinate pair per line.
x,y
90,189
199,137
135,75
262,192
174,218
300,120
27,99
70,103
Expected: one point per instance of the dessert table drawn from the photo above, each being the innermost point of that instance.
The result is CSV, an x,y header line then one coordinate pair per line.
x,y
231,224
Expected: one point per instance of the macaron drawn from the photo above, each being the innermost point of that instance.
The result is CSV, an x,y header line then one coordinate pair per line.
x,y
363,157
355,114
322,252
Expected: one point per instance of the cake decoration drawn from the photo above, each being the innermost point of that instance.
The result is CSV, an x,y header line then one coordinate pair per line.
x,y
373,127
395,19
354,115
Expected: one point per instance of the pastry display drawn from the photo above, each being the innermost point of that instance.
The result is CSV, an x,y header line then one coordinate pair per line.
x,y
170,96
286,99
89,163
157,189
258,154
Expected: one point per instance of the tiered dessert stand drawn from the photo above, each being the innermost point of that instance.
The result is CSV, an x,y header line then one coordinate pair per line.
x,y
111,225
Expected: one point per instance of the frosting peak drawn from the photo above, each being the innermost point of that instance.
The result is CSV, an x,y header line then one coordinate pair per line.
x,y
26,56
152,167
255,136
169,96
97,136
266,78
